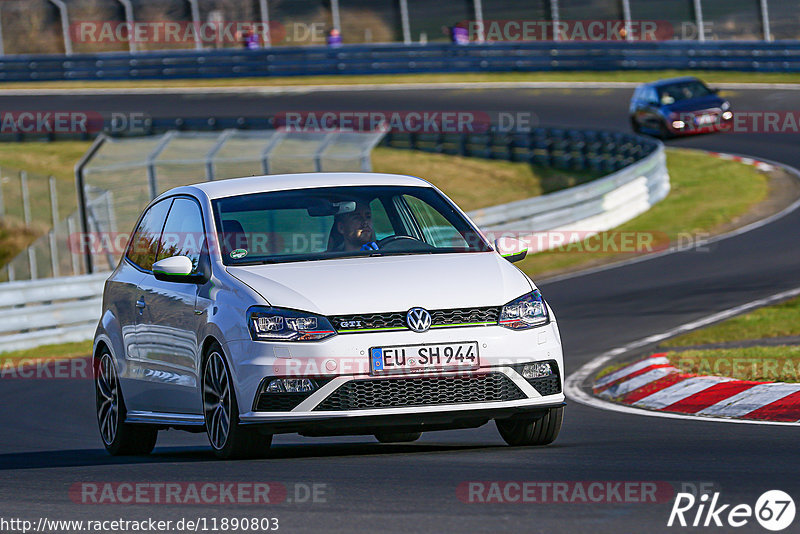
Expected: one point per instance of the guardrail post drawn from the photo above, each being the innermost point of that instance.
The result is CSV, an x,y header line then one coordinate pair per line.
x,y
765,20
54,212
62,8
404,21
698,17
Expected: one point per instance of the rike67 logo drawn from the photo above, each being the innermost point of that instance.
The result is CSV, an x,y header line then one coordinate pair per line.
x,y
774,510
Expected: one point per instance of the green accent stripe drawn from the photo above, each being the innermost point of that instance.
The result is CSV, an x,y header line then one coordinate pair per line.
x,y
361,330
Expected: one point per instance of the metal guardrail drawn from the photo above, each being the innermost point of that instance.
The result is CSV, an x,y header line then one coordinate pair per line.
x,y
395,58
56,310
595,206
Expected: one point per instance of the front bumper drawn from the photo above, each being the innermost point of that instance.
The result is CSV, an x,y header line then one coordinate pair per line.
x,y
344,359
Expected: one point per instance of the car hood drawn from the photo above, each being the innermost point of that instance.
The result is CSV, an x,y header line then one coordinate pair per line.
x,y
695,104
387,284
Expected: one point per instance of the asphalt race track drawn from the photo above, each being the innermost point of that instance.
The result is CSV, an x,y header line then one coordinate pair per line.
x,y
49,440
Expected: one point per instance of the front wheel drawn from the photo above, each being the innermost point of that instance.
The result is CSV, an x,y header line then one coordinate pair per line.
x,y
119,438
542,431
228,438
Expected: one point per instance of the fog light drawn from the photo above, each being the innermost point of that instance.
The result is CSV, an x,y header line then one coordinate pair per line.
x,y
290,385
536,370
728,115
678,125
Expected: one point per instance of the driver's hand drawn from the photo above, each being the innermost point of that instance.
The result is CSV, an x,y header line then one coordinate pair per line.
x,y
372,245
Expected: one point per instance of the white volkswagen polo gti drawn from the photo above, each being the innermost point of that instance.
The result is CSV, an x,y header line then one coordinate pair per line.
x,y
322,304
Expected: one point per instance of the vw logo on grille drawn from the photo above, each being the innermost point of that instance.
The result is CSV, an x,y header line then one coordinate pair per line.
x,y
418,319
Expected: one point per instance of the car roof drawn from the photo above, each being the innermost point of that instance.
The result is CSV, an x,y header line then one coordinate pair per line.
x,y
670,81
282,182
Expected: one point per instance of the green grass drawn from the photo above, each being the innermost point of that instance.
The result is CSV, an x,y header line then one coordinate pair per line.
x,y
58,351
572,76
769,364
779,320
706,194
474,182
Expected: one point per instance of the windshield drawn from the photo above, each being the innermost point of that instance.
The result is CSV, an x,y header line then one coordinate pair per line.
x,y
336,222
669,94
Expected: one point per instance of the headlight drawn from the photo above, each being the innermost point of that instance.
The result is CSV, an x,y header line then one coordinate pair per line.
x,y
727,115
726,106
527,311
277,324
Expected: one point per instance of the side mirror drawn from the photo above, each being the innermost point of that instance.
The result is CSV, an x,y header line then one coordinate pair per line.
x,y
511,249
176,269
715,90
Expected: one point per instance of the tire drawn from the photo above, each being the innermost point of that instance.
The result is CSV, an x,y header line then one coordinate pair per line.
x,y
229,439
119,438
542,431
397,437
663,132
635,126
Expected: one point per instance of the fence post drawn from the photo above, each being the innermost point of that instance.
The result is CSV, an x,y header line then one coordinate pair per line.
x,y
26,214
2,46
479,19
698,17
53,244
765,20
404,21
337,23
626,15
2,204
62,8
554,17
267,37
126,4
71,245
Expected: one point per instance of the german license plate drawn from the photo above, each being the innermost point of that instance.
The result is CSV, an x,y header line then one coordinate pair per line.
x,y
421,358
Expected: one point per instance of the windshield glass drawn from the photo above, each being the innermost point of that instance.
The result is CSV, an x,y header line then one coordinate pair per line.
x,y
669,94
335,222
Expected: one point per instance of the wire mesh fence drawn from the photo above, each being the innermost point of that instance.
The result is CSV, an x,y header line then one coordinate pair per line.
x,y
35,26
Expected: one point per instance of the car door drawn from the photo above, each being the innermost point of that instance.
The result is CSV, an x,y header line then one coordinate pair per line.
x,y
139,258
167,329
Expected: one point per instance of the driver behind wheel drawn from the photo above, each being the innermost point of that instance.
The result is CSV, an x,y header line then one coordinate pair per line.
x,y
353,231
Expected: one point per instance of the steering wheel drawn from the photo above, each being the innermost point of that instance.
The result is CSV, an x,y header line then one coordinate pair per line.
x,y
398,241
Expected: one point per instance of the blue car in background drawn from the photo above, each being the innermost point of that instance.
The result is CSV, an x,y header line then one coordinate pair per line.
x,y
678,106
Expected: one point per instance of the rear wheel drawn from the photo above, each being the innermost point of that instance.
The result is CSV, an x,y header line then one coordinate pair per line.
x,y
119,438
228,438
397,437
542,431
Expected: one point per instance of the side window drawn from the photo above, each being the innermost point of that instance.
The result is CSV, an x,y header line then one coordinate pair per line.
x,y
144,244
435,228
380,220
183,234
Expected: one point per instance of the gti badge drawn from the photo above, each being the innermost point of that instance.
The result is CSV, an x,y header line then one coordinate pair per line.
x,y
418,319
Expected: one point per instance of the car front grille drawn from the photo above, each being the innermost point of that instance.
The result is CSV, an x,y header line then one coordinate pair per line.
x,y
351,324
427,391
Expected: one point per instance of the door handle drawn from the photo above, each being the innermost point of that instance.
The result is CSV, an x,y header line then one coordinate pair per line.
x,y
140,304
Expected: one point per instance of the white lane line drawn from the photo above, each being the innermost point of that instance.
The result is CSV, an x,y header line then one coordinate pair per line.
x,y
295,89
636,382
573,385
678,392
625,371
751,399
